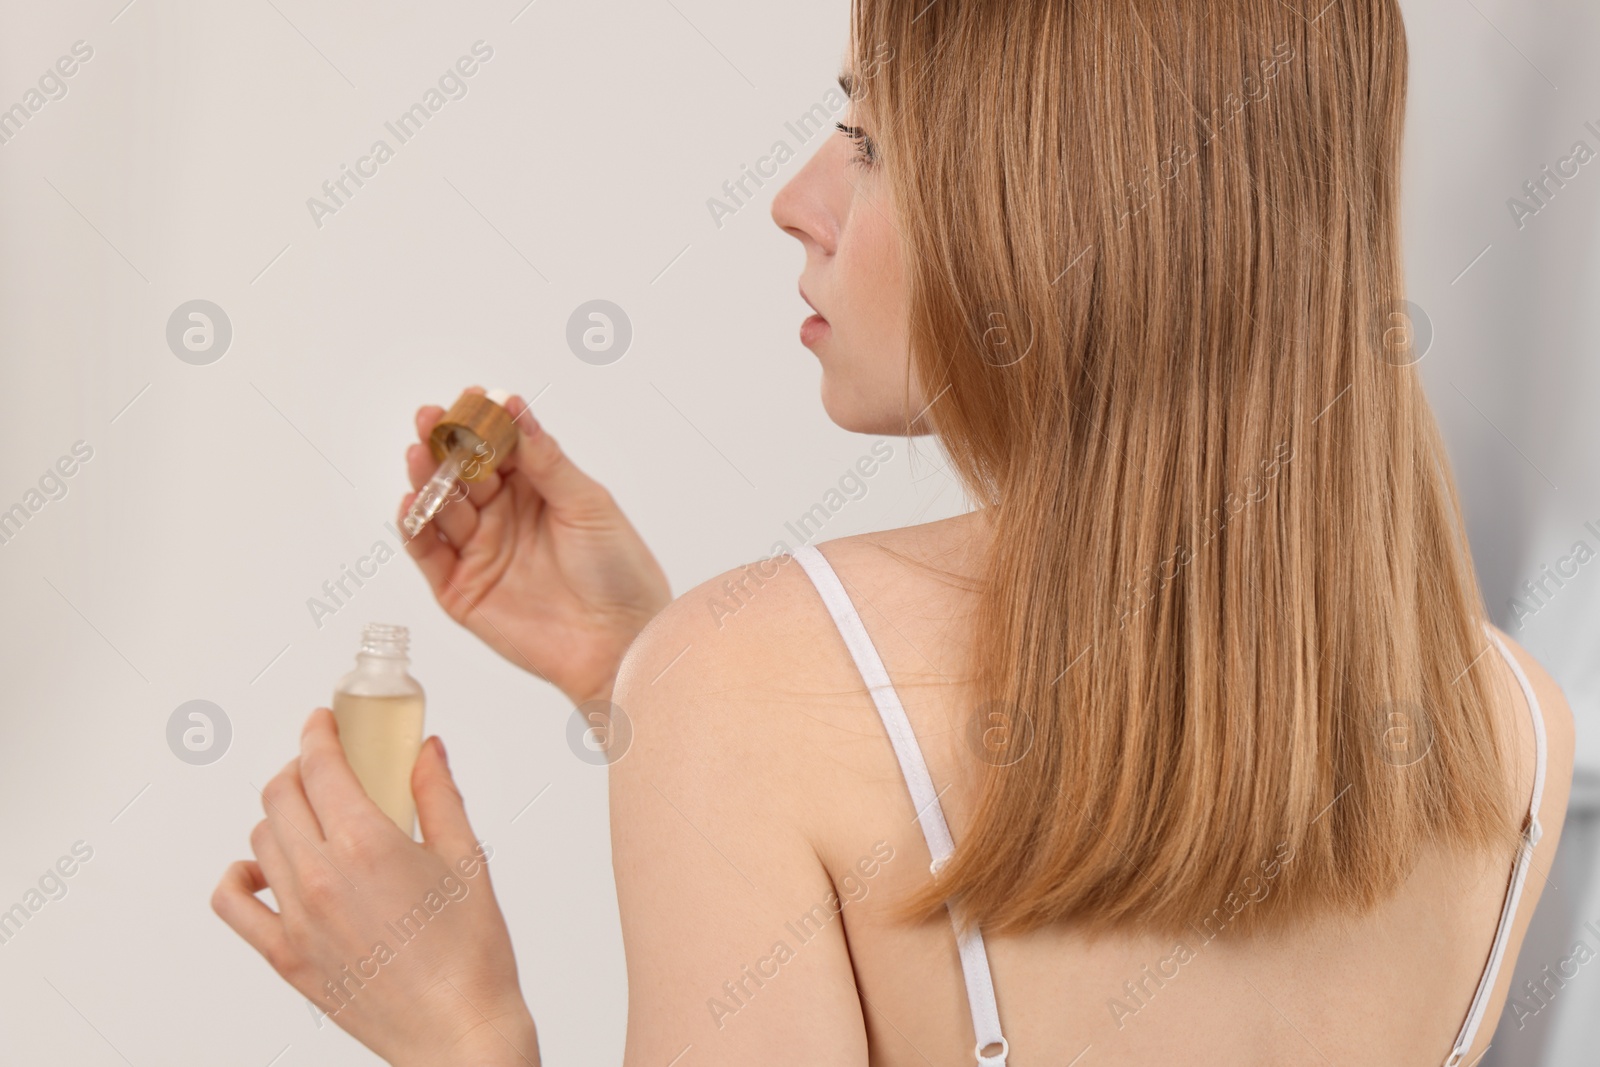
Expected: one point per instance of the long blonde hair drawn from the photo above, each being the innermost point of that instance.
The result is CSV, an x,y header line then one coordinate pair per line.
x,y
1228,624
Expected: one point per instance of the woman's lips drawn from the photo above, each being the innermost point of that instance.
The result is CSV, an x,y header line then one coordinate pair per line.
x,y
816,327
813,330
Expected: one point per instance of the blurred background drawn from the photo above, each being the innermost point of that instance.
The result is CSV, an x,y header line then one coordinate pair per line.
x,y
223,337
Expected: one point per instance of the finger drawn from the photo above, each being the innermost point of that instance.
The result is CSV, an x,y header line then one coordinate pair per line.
x,y
275,866
294,824
540,460
480,493
235,902
420,465
441,813
342,807
457,520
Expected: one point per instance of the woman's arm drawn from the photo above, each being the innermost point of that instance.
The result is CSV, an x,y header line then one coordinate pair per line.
x,y
401,944
735,945
538,561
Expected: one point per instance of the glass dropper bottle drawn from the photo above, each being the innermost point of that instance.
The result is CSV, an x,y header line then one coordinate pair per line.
x,y
379,708
473,438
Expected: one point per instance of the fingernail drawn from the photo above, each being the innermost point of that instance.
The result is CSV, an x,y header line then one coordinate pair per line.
x,y
443,755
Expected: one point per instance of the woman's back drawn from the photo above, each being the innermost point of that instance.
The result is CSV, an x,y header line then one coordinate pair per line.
x,y
762,721
1142,282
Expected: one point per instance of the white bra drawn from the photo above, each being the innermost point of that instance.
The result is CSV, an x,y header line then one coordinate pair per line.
x,y
974,958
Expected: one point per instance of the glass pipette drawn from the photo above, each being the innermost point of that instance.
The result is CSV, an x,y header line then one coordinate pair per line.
x,y
470,441
437,493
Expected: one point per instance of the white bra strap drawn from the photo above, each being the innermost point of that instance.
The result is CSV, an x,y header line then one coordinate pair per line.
x,y
974,958
1519,873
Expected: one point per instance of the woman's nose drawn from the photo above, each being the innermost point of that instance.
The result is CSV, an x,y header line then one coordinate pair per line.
x,y
807,207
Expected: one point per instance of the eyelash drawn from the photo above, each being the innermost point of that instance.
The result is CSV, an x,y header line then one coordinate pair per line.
x,y
866,152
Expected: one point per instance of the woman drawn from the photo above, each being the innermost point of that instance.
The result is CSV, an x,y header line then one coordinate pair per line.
x,y
1189,744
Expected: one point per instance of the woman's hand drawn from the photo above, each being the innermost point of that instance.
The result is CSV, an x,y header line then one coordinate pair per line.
x,y
402,944
538,561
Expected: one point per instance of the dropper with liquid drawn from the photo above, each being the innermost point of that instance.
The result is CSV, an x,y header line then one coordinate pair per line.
x,y
433,497
473,438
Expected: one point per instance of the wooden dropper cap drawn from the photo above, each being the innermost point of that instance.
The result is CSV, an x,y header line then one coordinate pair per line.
x,y
481,425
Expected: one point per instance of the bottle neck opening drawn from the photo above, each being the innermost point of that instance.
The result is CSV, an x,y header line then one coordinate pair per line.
x,y
384,641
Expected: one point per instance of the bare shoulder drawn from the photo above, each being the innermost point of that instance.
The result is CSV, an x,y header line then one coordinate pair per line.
x,y
739,739
716,793
748,669
728,640
752,631
728,678
1555,712
1556,717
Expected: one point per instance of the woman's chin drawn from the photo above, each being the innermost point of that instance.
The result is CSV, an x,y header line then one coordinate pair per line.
x,y
842,406
850,410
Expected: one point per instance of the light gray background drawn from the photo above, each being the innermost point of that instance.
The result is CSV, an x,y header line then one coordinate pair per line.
x,y
220,497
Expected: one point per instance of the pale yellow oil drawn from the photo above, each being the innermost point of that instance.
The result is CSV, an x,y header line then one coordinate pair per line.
x,y
381,737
